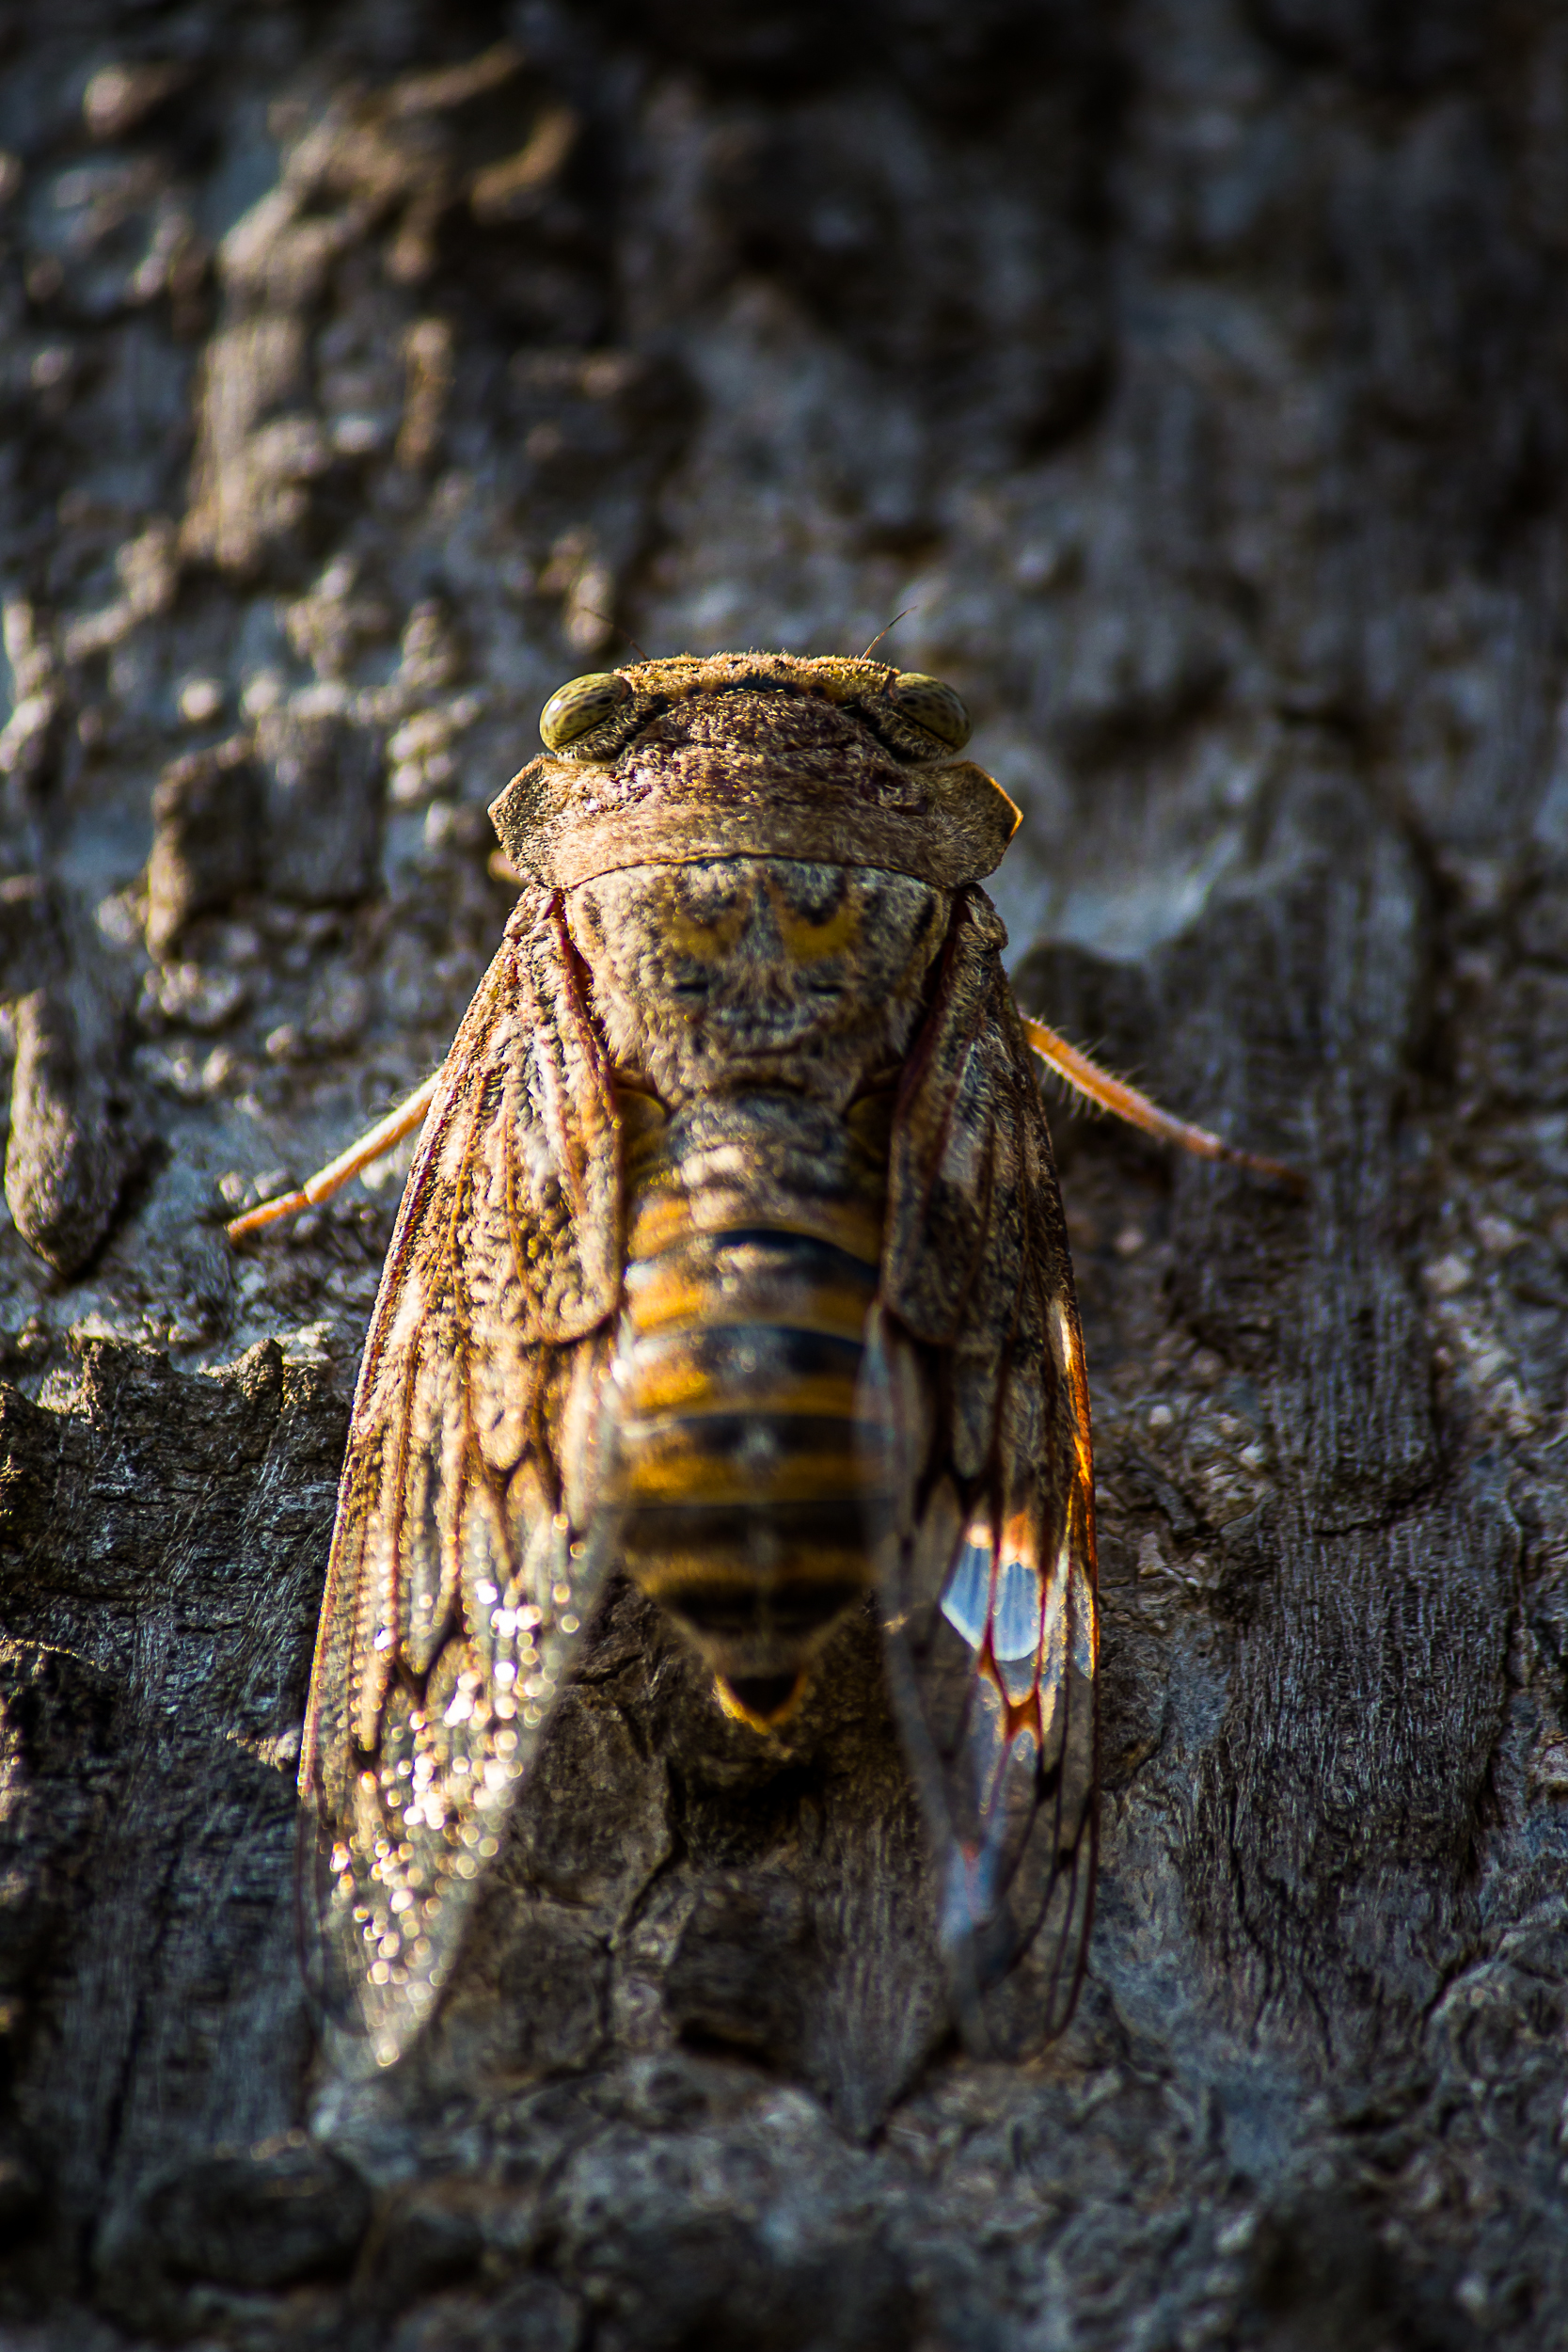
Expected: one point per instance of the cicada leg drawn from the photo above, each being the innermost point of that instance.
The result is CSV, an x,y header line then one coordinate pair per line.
x,y
1125,1102
336,1174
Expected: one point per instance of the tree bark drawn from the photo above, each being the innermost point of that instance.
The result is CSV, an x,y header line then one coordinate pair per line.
x,y
1194,371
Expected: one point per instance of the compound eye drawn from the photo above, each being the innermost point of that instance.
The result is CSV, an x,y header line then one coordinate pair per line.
x,y
580,706
926,702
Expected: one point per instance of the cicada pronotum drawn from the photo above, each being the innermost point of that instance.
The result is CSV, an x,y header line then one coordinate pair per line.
x,y
732,1256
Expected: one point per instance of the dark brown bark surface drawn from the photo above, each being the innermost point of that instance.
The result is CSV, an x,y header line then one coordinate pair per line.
x,y
1195,370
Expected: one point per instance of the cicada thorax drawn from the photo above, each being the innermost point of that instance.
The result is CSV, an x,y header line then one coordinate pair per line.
x,y
758,1010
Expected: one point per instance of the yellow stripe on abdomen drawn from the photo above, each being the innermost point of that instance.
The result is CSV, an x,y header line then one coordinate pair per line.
x,y
752,1459
742,1470
741,1367
747,1276
743,1474
662,1220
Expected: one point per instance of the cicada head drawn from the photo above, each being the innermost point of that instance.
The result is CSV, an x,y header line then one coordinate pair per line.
x,y
755,755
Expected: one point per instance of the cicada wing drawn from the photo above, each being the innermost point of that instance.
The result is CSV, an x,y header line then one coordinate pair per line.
x,y
468,1556
986,1563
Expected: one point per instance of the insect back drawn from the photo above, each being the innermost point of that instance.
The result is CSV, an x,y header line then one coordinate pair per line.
x,y
732,1255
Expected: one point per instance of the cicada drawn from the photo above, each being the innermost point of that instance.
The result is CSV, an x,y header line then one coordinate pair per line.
x,y
733,1259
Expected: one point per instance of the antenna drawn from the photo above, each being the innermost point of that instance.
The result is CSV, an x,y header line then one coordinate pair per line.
x,y
892,625
627,633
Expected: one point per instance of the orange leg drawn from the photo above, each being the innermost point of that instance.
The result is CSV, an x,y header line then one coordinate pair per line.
x,y
1124,1102
332,1178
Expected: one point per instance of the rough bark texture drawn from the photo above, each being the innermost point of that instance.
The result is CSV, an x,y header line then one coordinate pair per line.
x,y
1195,370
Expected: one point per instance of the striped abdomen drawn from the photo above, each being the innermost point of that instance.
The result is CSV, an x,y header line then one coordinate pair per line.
x,y
742,1469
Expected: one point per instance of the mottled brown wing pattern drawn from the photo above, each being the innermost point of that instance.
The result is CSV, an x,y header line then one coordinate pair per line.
x,y
988,1569
464,1569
